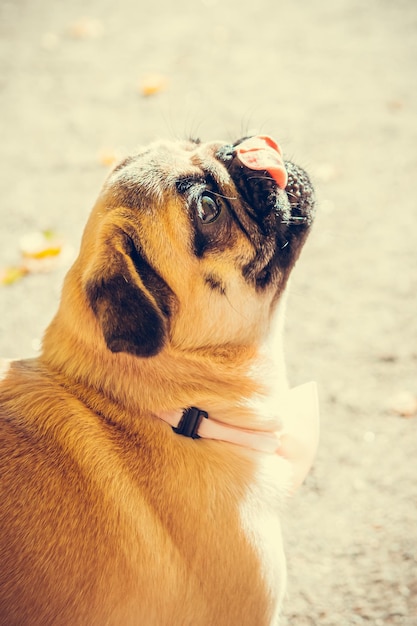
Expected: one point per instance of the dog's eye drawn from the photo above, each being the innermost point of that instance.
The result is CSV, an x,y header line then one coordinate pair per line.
x,y
209,208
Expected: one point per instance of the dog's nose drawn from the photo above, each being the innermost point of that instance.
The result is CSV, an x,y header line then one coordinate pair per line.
x,y
261,153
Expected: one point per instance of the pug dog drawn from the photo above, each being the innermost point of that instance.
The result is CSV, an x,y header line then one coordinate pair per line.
x,y
147,453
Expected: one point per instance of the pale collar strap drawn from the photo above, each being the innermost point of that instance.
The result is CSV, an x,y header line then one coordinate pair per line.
x,y
196,423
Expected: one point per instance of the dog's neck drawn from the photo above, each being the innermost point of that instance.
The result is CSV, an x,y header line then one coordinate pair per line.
x,y
232,383
237,383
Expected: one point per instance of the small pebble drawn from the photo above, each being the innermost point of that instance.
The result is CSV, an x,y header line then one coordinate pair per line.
x,y
369,437
36,344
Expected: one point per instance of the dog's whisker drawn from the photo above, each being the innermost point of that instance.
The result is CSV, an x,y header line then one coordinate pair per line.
x,y
291,193
235,309
261,178
220,195
297,221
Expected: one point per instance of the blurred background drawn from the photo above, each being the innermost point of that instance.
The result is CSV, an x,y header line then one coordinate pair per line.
x,y
82,83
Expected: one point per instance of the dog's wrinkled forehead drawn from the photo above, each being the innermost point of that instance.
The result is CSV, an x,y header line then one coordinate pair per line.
x,y
227,191
158,168
232,217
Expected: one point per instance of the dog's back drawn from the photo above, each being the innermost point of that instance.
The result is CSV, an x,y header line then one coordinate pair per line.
x,y
99,528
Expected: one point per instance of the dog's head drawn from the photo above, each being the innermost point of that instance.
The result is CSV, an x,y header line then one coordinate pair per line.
x,y
193,243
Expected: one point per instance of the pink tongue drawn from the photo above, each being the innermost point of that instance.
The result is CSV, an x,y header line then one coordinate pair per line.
x,y
262,153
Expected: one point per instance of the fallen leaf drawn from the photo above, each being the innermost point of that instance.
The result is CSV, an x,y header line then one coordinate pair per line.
x,y
12,275
152,84
403,403
86,28
395,105
41,252
108,158
40,245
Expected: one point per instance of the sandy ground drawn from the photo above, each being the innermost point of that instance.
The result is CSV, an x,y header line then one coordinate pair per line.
x,y
336,83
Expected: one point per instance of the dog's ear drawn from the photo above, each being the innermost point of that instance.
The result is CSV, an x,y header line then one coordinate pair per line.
x,y
130,300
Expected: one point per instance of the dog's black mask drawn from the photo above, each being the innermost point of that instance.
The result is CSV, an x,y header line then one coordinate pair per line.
x,y
284,215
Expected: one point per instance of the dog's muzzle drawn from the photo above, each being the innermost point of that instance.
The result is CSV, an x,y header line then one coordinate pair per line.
x,y
277,196
267,183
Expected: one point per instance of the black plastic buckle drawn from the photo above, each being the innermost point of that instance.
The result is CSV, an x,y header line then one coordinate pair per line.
x,y
189,423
